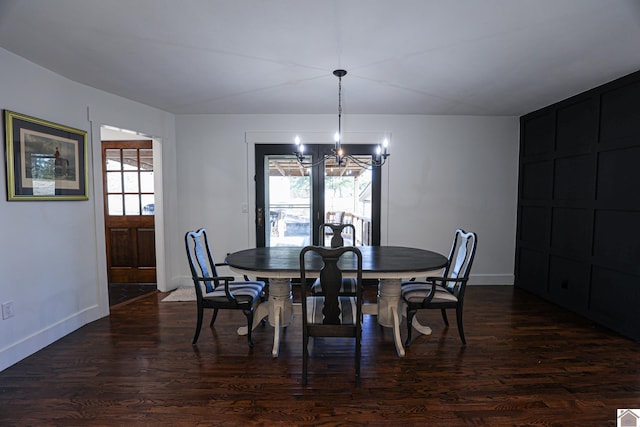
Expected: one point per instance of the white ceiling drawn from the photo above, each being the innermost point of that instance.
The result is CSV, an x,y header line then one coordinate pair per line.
x,y
469,57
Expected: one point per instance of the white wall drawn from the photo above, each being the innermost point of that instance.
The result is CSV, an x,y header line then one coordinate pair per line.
x,y
52,256
443,173
457,172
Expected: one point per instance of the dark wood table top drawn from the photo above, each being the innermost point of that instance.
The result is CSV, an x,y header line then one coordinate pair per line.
x,y
377,261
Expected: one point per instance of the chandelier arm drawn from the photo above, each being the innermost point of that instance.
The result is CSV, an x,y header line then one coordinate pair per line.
x,y
367,165
304,164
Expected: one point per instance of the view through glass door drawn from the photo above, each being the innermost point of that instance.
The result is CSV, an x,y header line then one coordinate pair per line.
x,y
293,201
348,199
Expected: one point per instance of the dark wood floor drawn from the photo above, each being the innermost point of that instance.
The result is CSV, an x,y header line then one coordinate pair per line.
x,y
121,293
527,363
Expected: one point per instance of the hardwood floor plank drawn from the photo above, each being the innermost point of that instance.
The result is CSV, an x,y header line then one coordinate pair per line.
x,y
527,363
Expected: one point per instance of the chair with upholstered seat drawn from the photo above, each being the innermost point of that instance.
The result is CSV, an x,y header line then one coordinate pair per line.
x,y
218,292
446,291
337,230
330,314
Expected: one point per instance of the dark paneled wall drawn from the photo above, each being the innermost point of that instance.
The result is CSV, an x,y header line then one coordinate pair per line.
x,y
578,239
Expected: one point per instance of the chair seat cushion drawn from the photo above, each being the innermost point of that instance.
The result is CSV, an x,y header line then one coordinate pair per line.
x,y
348,287
348,310
243,291
415,293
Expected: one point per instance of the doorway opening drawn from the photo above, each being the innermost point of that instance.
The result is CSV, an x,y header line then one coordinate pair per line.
x,y
129,204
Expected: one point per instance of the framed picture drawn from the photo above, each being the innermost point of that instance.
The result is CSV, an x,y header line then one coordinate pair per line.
x,y
45,160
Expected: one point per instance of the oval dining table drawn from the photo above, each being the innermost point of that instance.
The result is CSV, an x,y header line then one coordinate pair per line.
x,y
389,264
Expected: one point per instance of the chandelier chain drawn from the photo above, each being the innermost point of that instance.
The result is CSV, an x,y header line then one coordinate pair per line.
x,y
340,106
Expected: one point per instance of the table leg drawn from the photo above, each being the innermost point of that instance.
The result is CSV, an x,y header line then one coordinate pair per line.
x,y
424,330
388,302
279,309
260,313
275,318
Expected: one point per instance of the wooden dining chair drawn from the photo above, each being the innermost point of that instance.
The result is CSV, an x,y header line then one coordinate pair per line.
x,y
348,284
336,233
446,291
330,314
218,292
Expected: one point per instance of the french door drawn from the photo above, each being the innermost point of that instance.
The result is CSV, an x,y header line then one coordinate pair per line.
x,y
292,201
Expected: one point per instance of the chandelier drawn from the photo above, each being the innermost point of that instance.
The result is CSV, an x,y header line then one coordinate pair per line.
x,y
341,158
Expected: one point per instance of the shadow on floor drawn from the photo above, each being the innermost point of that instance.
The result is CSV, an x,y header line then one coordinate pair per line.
x,y
120,293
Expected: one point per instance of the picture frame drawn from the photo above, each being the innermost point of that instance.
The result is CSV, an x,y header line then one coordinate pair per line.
x,y
45,160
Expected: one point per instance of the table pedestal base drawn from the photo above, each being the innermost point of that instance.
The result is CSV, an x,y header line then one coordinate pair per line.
x,y
391,309
278,308
388,302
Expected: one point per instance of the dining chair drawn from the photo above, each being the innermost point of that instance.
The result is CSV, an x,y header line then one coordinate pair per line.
x,y
218,292
445,291
335,217
348,284
336,233
330,314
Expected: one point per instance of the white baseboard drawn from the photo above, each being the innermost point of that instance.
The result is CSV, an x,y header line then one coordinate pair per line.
x,y
13,353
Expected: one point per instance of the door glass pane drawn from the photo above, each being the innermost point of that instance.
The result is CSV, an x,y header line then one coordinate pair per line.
x,y
287,202
112,159
146,159
115,204
146,182
148,204
130,182
347,199
130,158
132,204
114,182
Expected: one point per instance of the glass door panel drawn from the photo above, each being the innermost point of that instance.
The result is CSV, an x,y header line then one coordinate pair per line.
x,y
287,202
292,201
347,199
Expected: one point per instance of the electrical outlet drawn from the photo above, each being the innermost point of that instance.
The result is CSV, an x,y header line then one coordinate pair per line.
x,y
7,310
